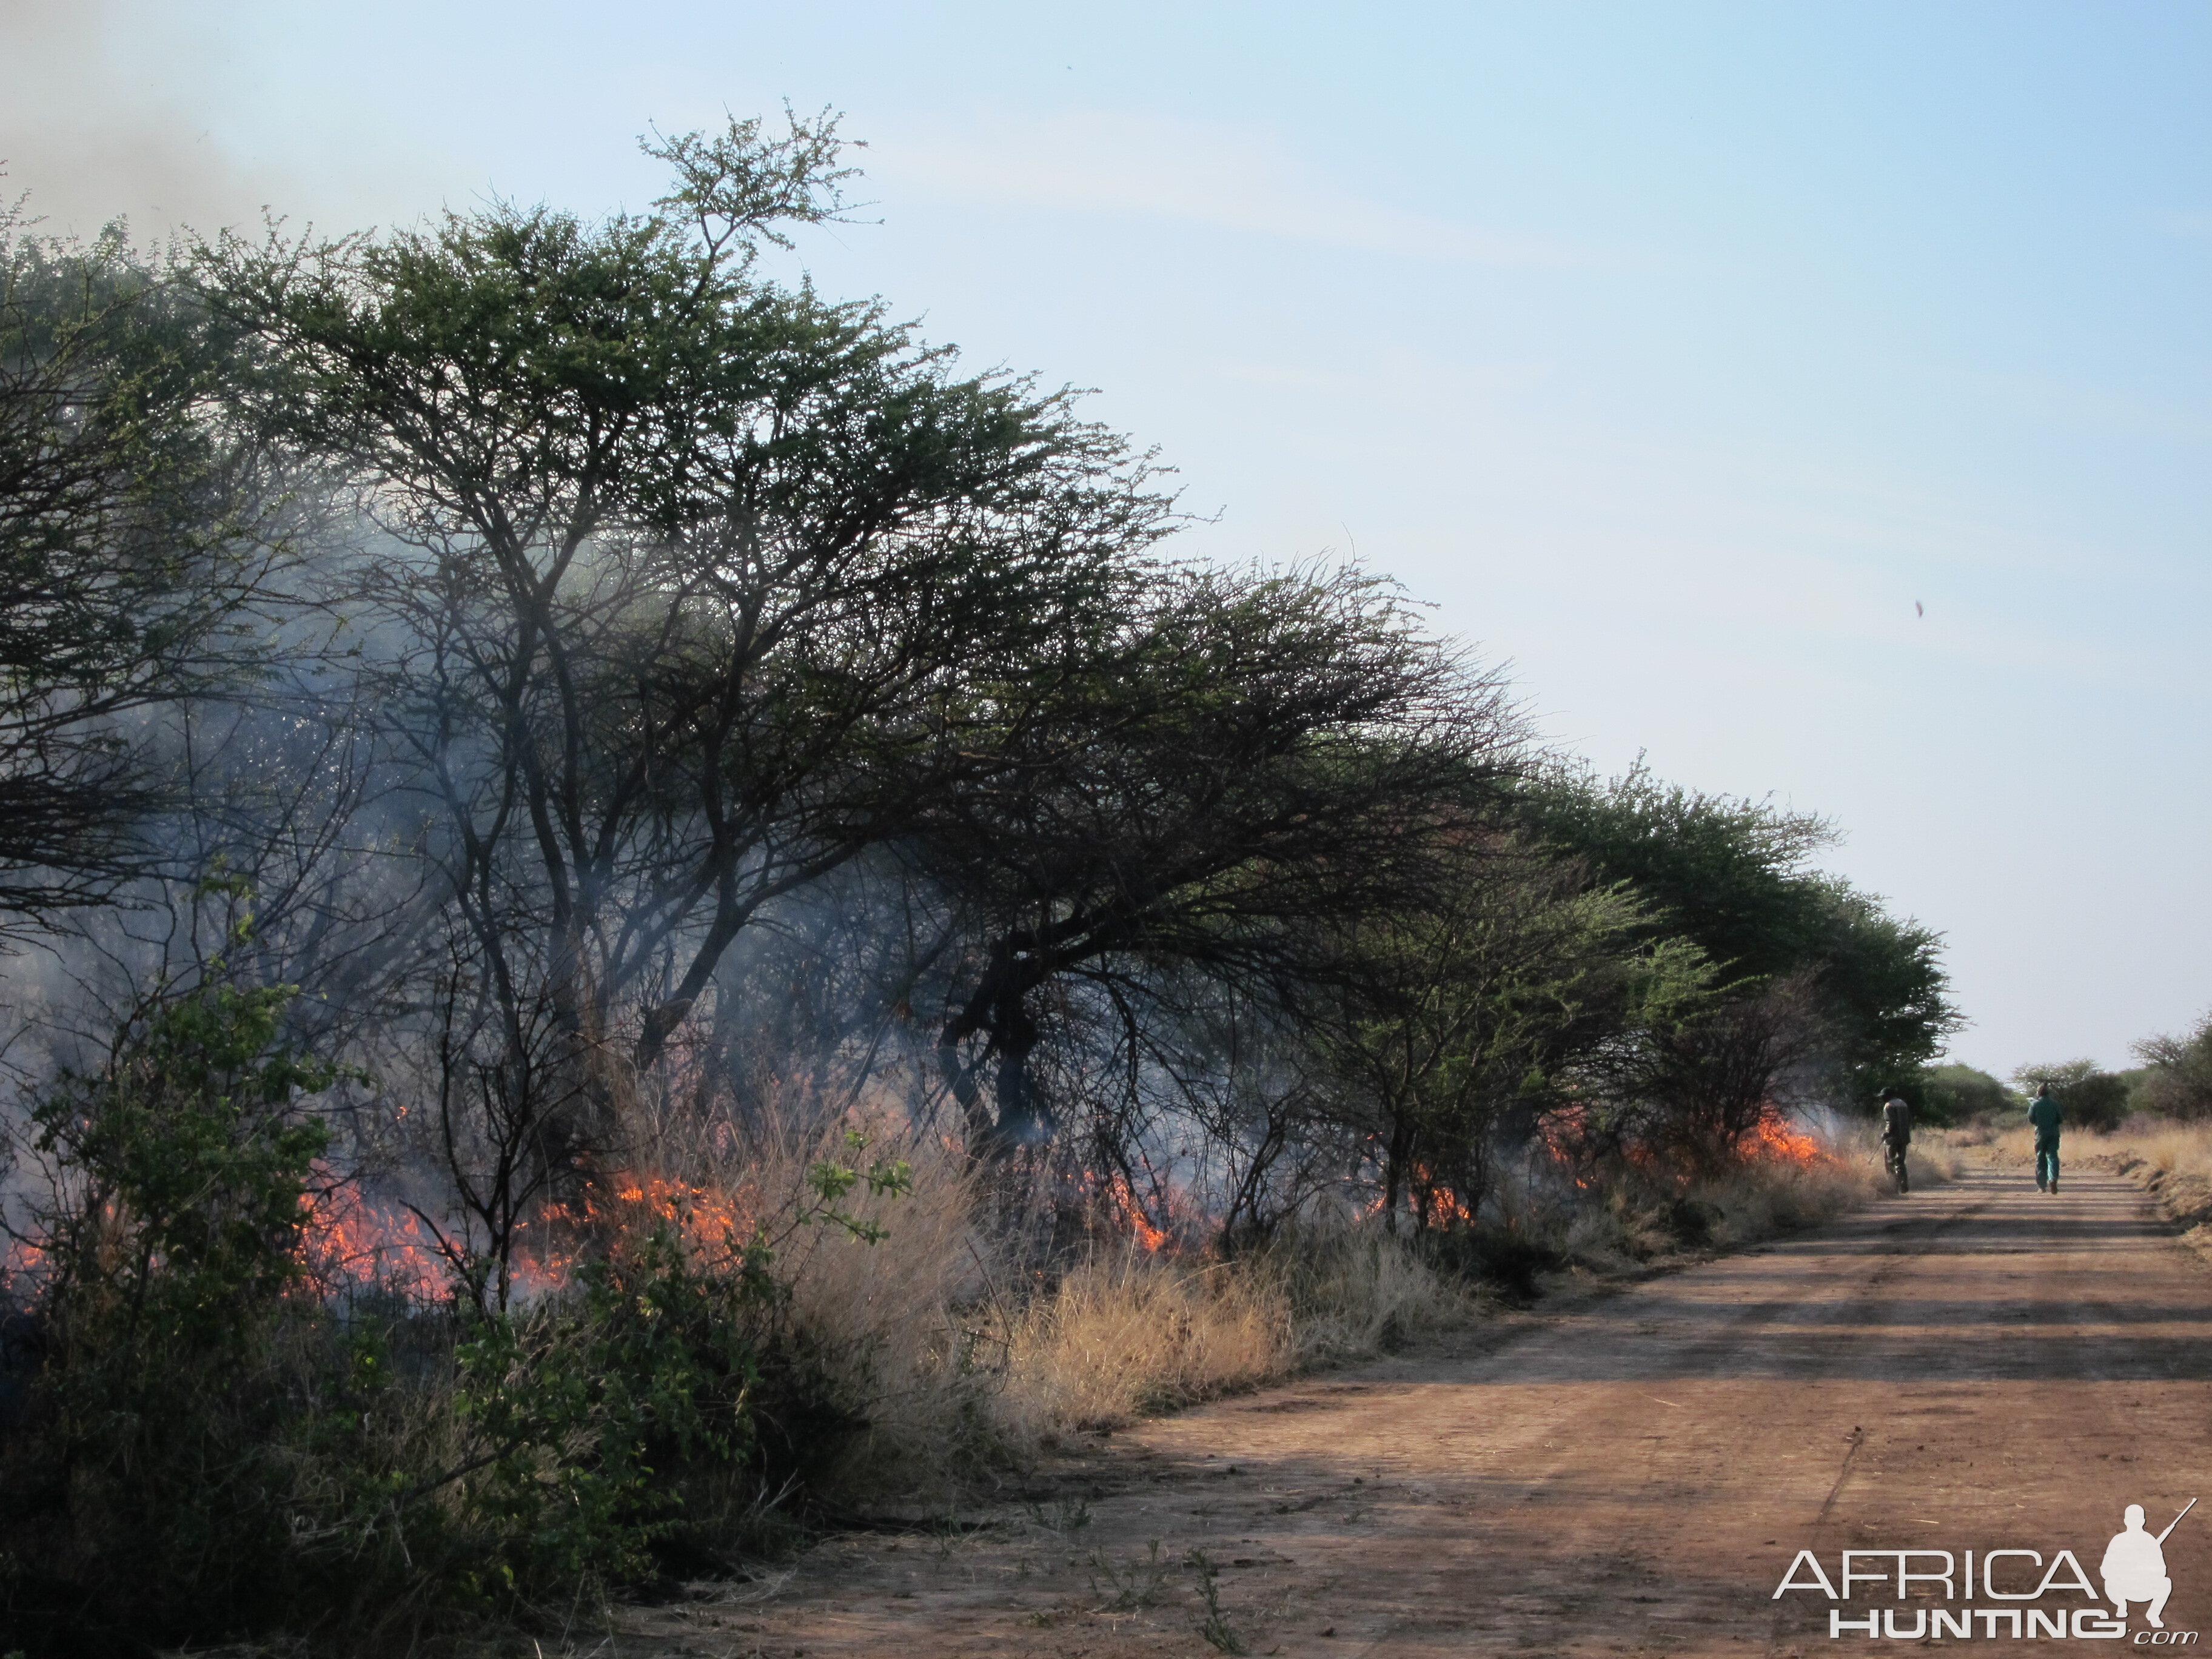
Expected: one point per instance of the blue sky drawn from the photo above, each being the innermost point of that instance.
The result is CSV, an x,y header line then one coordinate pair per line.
x,y
1672,351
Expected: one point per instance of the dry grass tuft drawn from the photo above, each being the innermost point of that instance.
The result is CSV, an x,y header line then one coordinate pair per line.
x,y
1358,1291
1125,1334
889,1327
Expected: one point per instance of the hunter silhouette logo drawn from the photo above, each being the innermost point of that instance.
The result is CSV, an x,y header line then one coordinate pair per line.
x,y
2133,1571
2134,1568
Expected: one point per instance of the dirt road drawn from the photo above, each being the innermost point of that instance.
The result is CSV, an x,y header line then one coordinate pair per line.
x,y
1976,1367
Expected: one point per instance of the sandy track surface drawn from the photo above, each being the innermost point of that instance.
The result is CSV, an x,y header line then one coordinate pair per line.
x,y
1978,1366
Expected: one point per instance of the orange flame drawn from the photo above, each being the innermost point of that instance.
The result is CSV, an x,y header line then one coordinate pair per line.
x,y
715,1227
24,1259
346,1242
1774,1138
349,1241
1123,1201
1559,1131
1435,1206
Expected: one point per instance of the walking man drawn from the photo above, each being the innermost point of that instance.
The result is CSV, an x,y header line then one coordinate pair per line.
x,y
1896,1135
2046,1116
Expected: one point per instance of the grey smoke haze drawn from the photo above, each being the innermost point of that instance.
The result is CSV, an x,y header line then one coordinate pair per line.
x,y
95,124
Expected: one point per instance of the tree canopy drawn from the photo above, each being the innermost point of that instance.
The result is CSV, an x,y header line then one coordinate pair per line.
x,y
144,524
675,605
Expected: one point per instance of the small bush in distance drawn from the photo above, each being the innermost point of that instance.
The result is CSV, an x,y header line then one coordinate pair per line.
x,y
2090,1098
1959,1094
2176,1079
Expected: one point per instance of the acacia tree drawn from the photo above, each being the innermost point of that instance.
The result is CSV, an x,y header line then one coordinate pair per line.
x,y
2092,1098
1216,787
685,570
1509,997
1818,990
144,530
2177,1080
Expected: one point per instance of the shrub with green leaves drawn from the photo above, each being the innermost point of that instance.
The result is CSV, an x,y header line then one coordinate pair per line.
x,y
590,1408
171,1248
1955,1094
2091,1099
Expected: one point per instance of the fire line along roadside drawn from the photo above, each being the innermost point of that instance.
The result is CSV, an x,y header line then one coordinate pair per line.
x,y
2015,1593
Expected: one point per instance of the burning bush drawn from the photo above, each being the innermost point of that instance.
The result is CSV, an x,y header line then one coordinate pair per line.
x,y
240,1423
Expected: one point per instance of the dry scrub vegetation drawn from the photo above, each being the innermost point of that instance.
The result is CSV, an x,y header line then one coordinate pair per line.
x,y
732,1337
2171,1160
964,1360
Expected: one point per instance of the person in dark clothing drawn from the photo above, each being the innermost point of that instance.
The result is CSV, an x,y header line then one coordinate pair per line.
x,y
1896,1135
1897,1120
2046,1115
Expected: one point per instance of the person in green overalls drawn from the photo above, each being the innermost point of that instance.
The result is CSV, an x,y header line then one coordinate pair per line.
x,y
2046,1115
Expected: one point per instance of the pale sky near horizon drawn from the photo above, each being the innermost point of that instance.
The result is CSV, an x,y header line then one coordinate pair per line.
x,y
1675,352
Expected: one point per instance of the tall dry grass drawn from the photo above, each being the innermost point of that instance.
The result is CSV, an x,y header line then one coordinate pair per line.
x,y
2154,1143
1635,1219
1773,1196
2171,1160
1356,1291
888,1301
1125,1334
955,1355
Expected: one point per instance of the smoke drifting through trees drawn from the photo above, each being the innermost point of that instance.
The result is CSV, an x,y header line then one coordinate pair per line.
x,y
609,710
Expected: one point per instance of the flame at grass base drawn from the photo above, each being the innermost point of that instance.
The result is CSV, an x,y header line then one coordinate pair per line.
x,y
350,1242
1775,1138
349,1245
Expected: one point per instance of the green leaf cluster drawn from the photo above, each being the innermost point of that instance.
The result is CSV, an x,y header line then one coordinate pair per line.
x,y
594,1406
172,1254
142,526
